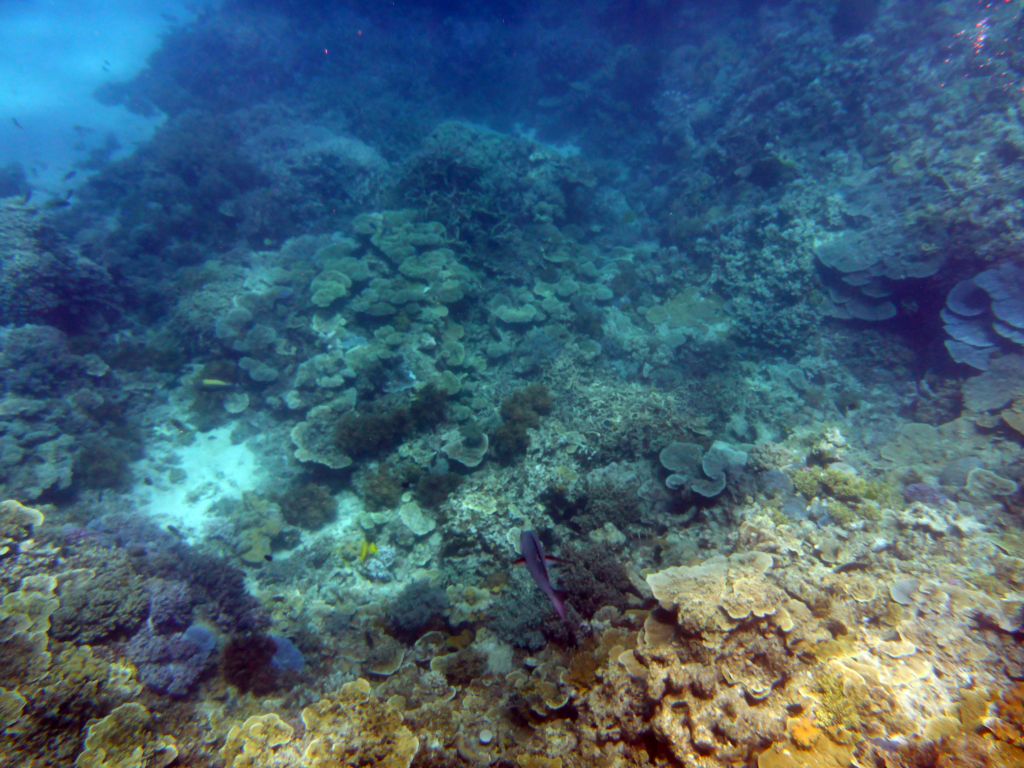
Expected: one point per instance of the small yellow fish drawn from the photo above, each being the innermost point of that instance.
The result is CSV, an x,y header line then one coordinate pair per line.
x,y
215,384
368,550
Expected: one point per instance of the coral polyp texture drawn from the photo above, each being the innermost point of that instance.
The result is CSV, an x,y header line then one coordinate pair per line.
x,y
420,385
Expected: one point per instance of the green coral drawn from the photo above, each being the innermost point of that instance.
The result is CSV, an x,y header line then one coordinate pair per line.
x,y
852,497
839,706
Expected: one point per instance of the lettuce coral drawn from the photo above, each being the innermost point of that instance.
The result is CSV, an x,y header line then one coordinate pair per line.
x,y
126,738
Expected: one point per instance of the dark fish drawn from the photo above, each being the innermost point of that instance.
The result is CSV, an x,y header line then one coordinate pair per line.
x,y
856,565
175,531
70,175
179,425
268,558
533,557
16,123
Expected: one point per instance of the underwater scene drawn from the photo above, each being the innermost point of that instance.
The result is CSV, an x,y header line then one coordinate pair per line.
x,y
622,383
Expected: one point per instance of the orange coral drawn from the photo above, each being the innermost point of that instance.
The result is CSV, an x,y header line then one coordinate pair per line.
x,y
803,732
1010,725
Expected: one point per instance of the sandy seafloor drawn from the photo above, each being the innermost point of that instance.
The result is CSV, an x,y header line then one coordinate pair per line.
x,y
308,313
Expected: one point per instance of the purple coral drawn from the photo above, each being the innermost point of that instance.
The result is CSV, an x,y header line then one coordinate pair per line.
x,y
171,664
170,605
983,312
216,589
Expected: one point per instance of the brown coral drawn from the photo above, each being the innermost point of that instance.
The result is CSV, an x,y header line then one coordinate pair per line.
x,y
1009,727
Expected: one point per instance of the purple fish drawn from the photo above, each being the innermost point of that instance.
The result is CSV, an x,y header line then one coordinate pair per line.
x,y
535,560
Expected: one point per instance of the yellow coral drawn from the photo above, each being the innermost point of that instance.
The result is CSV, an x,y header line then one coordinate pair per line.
x,y
256,741
538,761
824,753
839,705
1009,727
82,674
126,739
852,497
17,522
354,728
24,623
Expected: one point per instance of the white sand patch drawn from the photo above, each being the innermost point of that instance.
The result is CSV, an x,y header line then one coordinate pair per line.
x,y
182,482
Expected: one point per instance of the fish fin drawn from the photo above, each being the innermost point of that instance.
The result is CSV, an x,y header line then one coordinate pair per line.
x,y
519,561
554,560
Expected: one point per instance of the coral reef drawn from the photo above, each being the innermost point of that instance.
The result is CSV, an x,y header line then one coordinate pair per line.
x,y
723,302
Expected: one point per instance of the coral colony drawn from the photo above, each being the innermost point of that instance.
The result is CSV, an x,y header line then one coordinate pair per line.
x,y
708,315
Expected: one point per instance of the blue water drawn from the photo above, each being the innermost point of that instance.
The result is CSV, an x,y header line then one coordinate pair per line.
x,y
309,310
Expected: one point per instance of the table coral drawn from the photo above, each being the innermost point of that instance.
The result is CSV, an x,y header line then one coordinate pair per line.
x,y
315,438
